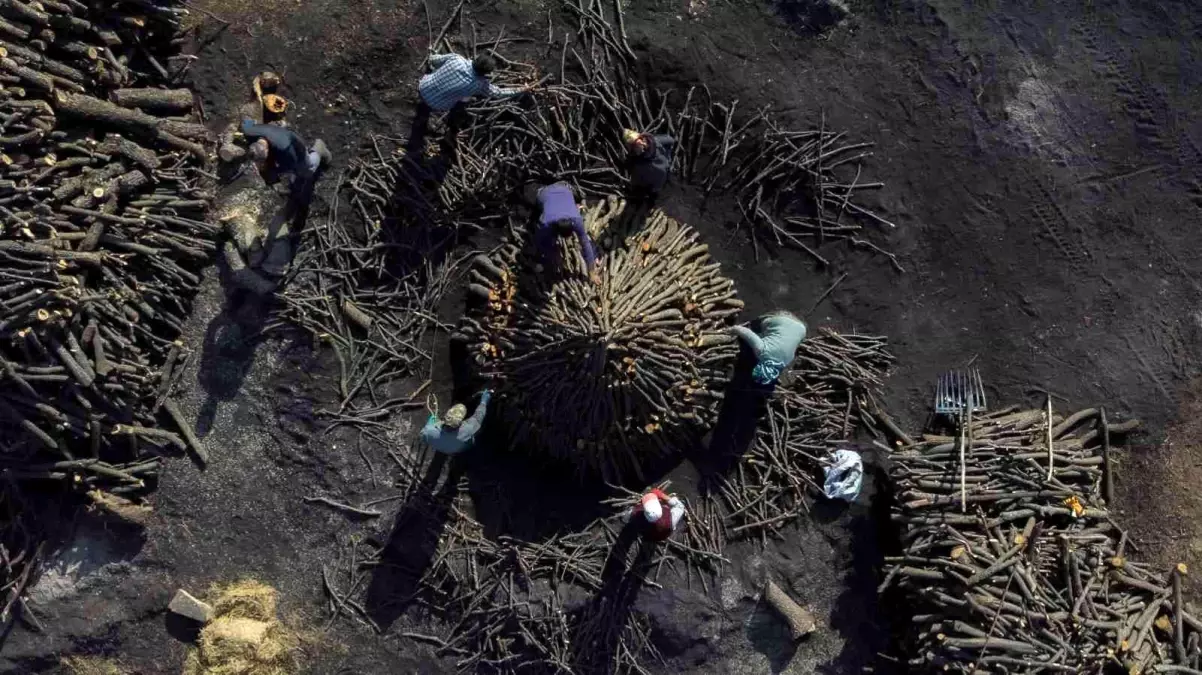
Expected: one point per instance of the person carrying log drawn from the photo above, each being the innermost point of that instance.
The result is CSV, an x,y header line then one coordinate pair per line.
x,y
452,435
453,82
649,160
559,215
656,515
774,346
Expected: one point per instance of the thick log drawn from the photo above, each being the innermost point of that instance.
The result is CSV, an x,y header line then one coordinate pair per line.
x,y
40,61
185,430
159,100
801,621
35,78
97,111
115,144
14,30
25,12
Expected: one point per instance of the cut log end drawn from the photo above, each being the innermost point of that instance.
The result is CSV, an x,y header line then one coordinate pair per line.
x,y
801,622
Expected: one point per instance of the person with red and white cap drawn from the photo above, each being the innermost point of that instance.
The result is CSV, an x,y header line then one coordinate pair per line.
x,y
657,514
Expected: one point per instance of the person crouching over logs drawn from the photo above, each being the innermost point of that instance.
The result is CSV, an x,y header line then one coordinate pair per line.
x,y
649,161
774,347
288,154
559,215
656,515
452,435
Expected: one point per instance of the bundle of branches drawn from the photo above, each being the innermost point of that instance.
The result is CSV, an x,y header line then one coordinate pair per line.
x,y
101,235
373,297
829,389
563,604
795,186
604,374
1013,562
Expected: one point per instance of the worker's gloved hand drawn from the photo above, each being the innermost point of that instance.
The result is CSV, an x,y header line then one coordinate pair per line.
x,y
485,396
247,123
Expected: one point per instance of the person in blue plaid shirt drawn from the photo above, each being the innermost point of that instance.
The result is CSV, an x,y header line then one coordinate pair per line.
x,y
454,80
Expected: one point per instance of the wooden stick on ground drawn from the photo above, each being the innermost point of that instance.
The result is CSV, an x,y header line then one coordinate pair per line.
x,y
963,462
1051,452
801,621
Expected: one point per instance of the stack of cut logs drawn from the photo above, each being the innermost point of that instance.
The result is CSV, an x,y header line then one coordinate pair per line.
x,y
610,373
101,235
103,231
1014,562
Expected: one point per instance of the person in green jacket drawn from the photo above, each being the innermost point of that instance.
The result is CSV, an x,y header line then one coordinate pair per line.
x,y
452,435
775,346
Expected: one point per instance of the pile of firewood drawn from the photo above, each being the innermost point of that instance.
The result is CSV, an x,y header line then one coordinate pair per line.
x,y
1013,563
102,234
611,372
829,391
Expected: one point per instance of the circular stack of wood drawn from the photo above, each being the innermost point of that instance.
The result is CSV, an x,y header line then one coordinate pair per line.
x,y
606,373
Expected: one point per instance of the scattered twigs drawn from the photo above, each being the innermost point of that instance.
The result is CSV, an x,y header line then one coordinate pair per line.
x,y
370,513
830,383
546,606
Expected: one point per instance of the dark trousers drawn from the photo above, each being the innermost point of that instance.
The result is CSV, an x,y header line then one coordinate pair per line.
x,y
457,118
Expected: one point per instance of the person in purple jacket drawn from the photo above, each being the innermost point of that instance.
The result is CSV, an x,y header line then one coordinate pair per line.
x,y
559,216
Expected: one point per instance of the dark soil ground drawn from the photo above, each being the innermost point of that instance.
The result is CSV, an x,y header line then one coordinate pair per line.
x,y
1043,167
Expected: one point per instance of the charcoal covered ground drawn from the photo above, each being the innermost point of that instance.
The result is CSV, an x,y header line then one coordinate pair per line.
x,y
1042,166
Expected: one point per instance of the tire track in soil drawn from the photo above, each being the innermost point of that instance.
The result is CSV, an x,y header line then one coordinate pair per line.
x,y
1150,111
1132,336
1056,224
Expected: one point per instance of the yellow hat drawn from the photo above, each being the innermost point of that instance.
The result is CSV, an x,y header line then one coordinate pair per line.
x,y
629,136
455,416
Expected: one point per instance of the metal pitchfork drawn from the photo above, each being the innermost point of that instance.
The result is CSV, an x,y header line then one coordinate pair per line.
x,y
959,394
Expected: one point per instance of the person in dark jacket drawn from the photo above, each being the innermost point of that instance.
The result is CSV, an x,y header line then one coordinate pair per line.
x,y
650,160
288,153
559,215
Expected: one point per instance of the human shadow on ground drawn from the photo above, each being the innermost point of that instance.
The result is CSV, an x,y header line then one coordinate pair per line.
x,y
859,614
520,494
743,404
233,336
523,497
410,547
228,351
599,625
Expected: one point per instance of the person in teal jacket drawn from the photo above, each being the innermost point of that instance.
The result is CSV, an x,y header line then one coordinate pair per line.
x,y
452,435
774,347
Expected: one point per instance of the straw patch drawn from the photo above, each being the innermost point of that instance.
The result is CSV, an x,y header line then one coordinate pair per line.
x,y
245,637
91,665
